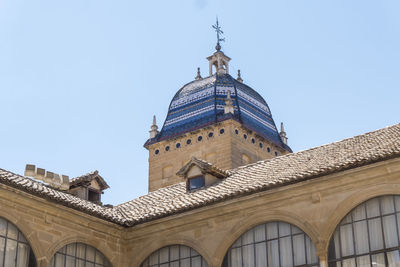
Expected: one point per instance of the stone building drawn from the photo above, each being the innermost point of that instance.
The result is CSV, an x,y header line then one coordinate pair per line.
x,y
225,190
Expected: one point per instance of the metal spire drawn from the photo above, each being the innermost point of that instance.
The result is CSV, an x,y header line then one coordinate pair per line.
x,y
217,28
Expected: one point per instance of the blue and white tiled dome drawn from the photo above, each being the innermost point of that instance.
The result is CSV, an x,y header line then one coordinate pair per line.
x,y
201,103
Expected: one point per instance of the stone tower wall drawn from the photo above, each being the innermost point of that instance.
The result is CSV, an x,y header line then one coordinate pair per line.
x,y
226,148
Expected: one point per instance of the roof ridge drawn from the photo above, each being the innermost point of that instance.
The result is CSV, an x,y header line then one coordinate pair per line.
x,y
315,147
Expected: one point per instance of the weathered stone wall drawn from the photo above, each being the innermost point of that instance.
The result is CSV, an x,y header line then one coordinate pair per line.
x,y
49,226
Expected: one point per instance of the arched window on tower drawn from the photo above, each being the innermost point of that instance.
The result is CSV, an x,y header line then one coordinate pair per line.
x,y
272,244
175,255
368,235
14,248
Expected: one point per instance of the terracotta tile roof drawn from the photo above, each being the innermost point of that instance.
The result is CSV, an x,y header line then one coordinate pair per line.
x,y
263,175
39,189
349,153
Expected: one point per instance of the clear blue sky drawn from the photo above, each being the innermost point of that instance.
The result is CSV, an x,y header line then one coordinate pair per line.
x,y
81,79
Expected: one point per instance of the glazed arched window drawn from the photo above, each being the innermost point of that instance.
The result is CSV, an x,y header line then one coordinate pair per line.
x,y
175,256
14,248
272,244
79,254
368,235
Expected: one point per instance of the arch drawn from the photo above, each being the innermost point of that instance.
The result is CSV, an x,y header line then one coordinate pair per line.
x,y
101,247
347,205
250,222
185,256
370,232
15,248
27,231
152,247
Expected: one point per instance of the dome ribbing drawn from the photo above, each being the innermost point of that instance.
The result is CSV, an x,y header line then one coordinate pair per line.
x,y
201,103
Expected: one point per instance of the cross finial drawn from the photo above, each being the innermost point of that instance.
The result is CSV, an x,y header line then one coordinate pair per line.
x,y
219,32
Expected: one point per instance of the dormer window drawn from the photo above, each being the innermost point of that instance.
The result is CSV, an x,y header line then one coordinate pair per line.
x,y
200,174
196,183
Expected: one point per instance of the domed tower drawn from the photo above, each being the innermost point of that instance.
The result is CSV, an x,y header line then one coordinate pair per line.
x,y
218,119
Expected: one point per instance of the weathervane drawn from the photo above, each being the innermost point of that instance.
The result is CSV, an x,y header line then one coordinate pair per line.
x,y
219,32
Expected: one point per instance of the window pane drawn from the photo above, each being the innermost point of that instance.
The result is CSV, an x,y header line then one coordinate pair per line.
x,y
90,253
185,252
2,248
259,233
236,257
80,263
387,205
378,260
11,252
361,237
185,263
60,260
336,243
359,213
71,249
296,230
349,263
196,261
80,250
261,254
195,183
373,208
164,255
397,203
273,253
145,263
237,243
375,234
12,231
299,250
346,237
153,258
286,251
311,252
193,252
393,258
23,255
21,238
346,219
247,238
284,229
99,258
390,231
363,261
248,255
174,252
3,227
272,230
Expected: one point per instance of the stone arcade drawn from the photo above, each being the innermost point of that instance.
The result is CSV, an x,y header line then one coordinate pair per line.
x,y
233,195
